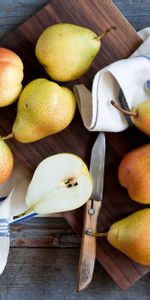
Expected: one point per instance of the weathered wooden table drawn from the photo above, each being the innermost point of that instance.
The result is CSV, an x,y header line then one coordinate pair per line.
x,y
44,252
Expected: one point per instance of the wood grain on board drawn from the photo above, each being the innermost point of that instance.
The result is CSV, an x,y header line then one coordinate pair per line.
x,y
97,15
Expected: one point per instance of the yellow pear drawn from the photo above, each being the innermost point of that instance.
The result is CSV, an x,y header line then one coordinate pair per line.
x,y
131,236
67,51
6,161
140,115
134,174
44,108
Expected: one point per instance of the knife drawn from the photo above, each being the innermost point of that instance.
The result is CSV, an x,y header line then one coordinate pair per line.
x,y
91,212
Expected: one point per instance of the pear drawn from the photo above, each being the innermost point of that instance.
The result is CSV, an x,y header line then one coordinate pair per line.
x,y
60,183
44,108
140,115
11,76
134,174
131,236
67,51
6,161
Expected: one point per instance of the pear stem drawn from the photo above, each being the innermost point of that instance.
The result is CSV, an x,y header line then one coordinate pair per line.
x,y
126,112
9,136
100,234
101,36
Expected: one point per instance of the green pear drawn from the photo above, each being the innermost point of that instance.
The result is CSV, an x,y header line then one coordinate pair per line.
x,y
67,51
44,108
134,174
140,115
131,236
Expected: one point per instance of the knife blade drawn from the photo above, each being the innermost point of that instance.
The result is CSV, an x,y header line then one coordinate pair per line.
x,y
91,212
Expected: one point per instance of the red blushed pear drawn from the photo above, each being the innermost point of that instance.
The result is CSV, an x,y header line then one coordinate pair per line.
x,y
140,115
11,76
6,161
134,174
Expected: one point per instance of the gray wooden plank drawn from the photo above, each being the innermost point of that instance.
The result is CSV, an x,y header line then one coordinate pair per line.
x,y
13,13
44,233
51,274
53,264
137,12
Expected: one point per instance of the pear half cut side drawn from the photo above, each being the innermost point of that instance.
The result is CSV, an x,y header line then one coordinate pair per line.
x,y
60,183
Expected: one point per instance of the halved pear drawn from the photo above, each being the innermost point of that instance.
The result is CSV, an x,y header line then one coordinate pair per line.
x,y
60,183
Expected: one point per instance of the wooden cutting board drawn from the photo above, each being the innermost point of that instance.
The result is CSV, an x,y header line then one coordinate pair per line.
x,y
97,15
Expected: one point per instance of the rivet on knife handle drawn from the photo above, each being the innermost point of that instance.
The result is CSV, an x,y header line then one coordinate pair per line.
x,y
88,245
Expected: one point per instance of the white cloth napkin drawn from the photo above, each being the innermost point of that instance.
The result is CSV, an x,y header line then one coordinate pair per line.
x,y
126,81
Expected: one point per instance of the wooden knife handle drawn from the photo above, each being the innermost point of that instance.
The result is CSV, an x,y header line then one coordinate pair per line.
x,y
88,245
